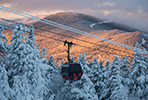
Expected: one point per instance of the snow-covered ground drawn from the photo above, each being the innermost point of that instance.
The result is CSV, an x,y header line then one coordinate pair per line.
x,y
92,25
143,40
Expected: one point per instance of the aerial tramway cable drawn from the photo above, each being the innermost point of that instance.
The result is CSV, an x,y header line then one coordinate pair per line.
x,y
74,43
70,37
64,27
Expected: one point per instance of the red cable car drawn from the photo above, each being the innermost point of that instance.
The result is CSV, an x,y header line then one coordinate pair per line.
x,y
71,71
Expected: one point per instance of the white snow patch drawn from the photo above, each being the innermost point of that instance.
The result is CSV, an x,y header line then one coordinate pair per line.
x,y
92,25
107,21
2,97
143,40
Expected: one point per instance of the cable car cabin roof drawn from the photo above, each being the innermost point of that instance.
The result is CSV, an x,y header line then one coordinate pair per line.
x,y
71,67
71,71
76,68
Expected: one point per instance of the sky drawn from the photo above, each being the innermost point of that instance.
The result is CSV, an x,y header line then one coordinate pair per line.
x,y
133,13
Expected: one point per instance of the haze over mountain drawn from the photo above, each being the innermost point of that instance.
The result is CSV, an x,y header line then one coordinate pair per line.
x,y
103,28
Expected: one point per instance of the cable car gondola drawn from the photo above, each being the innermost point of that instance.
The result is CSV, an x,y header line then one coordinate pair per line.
x,y
71,71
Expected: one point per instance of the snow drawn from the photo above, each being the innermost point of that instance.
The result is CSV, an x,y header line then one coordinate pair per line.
x,y
143,40
2,97
31,77
92,25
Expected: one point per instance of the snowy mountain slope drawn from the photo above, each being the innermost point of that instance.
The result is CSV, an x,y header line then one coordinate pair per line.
x,y
83,22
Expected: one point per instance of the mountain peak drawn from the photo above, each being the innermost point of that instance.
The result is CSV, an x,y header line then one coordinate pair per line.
x,y
85,22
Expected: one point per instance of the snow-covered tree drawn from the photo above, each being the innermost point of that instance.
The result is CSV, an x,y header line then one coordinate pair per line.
x,y
83,63
31,38
51,62
24,63
2,97
113,79
3,44
94,71
44,53
79,90
138,80
101,64
4,86
84,89
53,80
19,65
96,76
124,69
119,93
82,59
2,36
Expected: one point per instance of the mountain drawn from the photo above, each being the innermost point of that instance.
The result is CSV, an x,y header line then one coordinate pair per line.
x,y
93,25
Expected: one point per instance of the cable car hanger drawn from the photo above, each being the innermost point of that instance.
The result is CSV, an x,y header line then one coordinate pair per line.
x,y
69,45
71,71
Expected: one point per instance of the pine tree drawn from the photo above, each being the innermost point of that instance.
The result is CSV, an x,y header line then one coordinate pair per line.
x,y
84,90
19,66
78,90
53,80
124,66
101,64
96,76
138,75
51,62
83,63
107,70
24,65
31,38
4,87
113,79
3,44
36,80
2,36
44,60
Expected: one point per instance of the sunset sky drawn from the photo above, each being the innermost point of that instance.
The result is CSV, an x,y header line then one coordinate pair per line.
x,y
129,12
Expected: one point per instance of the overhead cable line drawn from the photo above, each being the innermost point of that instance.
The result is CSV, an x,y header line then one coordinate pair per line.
x,y
73,43
70,37
64,27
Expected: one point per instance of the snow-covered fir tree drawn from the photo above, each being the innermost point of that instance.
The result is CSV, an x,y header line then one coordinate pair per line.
x,y
124,69
53,80
51,62
83,63
77,90
96,76
4,86
24,67
106,70
31,38
44,53
101,64
138,80
113,79
18,66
